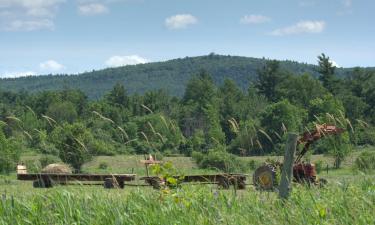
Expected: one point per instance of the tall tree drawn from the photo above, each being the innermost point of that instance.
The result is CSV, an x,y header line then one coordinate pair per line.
x,y
327,71
268,79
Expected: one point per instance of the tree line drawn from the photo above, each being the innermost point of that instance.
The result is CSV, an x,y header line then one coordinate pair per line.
x,y
207,119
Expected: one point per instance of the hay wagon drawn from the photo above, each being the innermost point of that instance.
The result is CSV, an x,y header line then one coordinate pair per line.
x,y
47,180
222,180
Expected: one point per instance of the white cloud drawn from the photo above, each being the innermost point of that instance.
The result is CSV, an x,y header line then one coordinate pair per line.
x,y
301,27
116,61
92,9
28,15
254,19
180,21
334,63
51,65
18,74
29,25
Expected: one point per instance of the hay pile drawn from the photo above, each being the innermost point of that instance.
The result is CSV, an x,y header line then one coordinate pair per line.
x,y
57,168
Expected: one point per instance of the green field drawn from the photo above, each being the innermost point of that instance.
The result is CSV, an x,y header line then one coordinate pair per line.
x,y
349,198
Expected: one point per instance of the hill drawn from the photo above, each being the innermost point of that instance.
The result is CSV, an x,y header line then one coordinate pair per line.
x,y
170,75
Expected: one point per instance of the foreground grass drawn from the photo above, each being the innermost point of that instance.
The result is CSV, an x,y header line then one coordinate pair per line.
x,y
339,203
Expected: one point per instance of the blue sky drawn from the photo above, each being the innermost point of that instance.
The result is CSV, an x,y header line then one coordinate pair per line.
x,y
72,36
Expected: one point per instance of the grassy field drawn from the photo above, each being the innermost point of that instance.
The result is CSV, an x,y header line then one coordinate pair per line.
x,y
349,198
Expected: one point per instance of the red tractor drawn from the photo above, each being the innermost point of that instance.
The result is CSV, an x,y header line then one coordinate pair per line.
x,y
265,177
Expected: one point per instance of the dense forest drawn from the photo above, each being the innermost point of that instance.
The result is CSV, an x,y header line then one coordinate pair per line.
x,y
215,116
171,76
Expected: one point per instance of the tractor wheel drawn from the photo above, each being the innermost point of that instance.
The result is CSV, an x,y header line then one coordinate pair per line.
x,y
264,178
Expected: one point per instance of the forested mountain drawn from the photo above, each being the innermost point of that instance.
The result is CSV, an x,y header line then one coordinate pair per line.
x,y
171,76
209,121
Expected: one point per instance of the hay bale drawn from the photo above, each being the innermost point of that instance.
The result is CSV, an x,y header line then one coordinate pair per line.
x,y
57,168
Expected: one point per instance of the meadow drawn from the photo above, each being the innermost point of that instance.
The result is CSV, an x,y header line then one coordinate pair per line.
x,y
349,198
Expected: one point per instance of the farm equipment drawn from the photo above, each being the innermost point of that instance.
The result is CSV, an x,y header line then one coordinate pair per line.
x,y
265,177
47,180
222,180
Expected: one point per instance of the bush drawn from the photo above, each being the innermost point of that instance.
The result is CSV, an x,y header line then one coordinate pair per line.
x,y
365,161
33,166
45,160
319,166
252,164
103,165
218,159
9,154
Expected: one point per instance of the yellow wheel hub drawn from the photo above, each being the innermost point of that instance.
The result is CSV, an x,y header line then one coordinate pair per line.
x,y
265,179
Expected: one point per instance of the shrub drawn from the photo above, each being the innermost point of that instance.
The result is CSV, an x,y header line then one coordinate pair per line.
x,y
103,165
365,161
9,154
45,160
218,159
252,164
319,166
33,166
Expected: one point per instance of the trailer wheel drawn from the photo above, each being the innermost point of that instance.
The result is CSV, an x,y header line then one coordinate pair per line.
x,y
110,183
223,182
42,183
240,184
155,183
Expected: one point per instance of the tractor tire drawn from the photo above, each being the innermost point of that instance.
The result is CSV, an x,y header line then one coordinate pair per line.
x,y
264,178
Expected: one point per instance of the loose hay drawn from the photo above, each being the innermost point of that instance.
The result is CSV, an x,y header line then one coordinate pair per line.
x,y
57,168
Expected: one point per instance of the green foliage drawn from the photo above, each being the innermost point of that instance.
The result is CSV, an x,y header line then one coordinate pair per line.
x,y
218,159
365,161
62,112
9,154
241,104
103,166
326,109
337,146
279,118
299,90
74,144
269,77
45,160
327,71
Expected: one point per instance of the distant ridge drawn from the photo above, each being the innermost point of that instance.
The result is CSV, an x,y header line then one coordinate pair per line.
x,y
170,75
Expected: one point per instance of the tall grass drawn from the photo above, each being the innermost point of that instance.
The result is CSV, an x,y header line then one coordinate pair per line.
x,y
340,203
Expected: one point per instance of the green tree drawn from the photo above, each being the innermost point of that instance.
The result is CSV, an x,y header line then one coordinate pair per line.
x,y
200,109
268,79
230,98
300,90
279,118
9,154
118,96
62,112
327,71
74,144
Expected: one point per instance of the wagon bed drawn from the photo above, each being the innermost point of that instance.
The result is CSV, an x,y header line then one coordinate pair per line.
x,y
223,180
48,179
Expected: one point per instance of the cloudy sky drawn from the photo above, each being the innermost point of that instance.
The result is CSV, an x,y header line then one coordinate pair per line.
x,y
72,36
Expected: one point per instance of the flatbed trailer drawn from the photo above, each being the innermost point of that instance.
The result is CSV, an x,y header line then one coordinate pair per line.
x,y
47,180
222,180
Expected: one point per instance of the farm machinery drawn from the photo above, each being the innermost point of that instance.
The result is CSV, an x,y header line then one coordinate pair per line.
x,y
265,177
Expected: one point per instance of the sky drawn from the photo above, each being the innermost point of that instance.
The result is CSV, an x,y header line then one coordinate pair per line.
x,y
73,36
